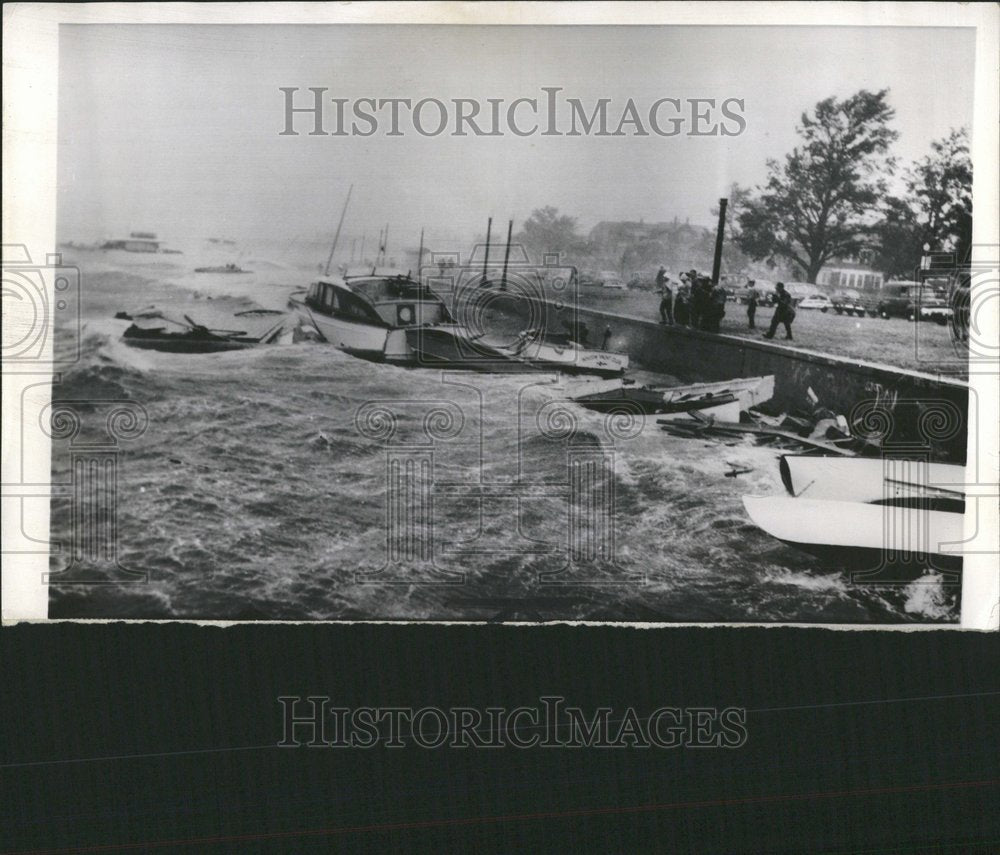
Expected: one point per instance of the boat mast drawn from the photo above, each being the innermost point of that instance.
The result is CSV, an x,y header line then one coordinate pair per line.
x,y
486,260
506,256
336,237
420,258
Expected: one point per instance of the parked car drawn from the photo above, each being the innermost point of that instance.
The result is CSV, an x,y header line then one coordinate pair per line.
x,y
914,302
801,290
847,301
609,279
817,301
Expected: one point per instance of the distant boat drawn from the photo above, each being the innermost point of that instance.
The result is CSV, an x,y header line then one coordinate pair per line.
x,y
151,330
223,268
135,242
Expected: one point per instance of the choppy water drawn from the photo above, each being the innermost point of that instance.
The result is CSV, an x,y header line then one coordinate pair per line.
x,y
253,495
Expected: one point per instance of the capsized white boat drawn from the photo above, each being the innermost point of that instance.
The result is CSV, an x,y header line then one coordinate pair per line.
x,y
862,536
874,479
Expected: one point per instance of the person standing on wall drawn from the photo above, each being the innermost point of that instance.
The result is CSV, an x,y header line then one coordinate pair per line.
x,y
751,303
696,302
666,297
784,312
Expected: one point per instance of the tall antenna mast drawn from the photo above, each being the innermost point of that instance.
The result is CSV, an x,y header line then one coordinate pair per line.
x,y
486,260
336,237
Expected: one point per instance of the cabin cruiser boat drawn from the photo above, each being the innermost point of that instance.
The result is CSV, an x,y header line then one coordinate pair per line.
x,y
393,318
390,317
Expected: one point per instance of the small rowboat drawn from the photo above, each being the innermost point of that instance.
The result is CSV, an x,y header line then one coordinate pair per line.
x,y
651,400
151,330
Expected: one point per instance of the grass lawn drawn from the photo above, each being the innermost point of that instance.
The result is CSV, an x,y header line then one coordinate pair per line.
x,y
926,346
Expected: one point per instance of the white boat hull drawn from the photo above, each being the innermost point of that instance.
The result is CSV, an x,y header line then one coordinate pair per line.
x,y
861,536
358,339
869,479
727,412
749,391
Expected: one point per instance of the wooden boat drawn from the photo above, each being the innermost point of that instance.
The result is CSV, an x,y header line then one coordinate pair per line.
x,y
862,536
703,427
549,352
722,407
874,480
151,330
748,391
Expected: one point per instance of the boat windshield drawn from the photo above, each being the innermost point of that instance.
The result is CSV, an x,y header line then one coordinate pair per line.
x,y
392,288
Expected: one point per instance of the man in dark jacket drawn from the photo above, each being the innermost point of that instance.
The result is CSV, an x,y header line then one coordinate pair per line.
x,y
715,309
784,313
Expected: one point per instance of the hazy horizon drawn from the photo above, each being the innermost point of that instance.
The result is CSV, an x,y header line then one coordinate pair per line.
x,y
176,128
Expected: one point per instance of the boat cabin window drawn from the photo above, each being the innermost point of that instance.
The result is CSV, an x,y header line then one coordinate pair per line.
x,y
329,299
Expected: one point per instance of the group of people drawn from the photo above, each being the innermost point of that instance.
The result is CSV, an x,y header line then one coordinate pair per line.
x,y
697,303
700,305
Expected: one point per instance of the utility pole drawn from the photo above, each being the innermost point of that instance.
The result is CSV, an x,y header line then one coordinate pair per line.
x,y
720,232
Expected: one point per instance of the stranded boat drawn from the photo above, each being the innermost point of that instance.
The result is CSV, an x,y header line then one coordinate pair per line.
x,y
558,352
655,400
151,330
867,512
394,318
391,318
876,480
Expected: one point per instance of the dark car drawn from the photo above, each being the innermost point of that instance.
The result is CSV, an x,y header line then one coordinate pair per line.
x,y
847,301
915,303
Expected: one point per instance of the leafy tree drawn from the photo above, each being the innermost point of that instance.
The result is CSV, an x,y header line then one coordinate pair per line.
x,y
816,205
546,230
941,184
936,210
900,244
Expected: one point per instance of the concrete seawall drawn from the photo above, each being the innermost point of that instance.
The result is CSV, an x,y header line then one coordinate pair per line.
x,y
903,407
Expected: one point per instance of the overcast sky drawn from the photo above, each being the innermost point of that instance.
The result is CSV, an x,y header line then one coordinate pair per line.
x,y
176,128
